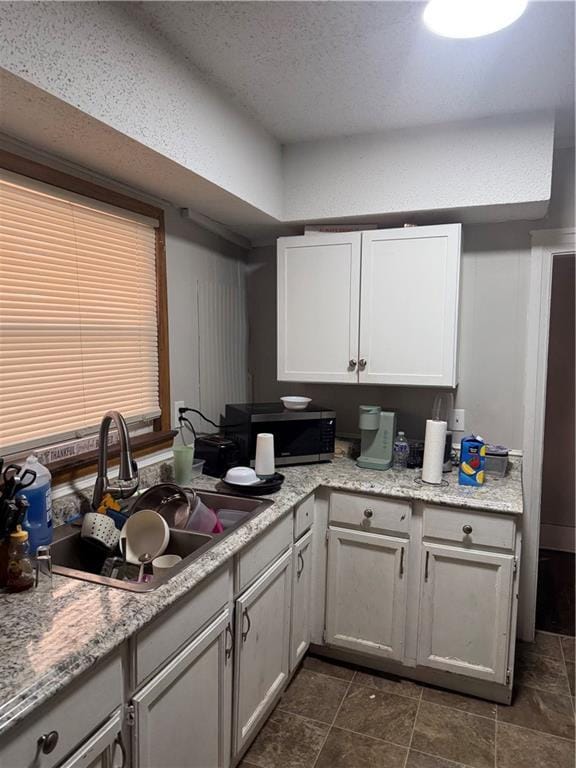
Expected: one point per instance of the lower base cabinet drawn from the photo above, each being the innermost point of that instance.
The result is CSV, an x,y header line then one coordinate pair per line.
x,y
301,594
105,749
182,716
466,601
366,592
262,636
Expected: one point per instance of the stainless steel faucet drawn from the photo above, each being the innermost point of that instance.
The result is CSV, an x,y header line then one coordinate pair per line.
x,y
127,482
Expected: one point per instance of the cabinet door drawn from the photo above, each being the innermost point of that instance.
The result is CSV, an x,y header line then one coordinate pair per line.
x,y
301,592
409,306
262,647
366,592
465,608
182,716
318,307
104,749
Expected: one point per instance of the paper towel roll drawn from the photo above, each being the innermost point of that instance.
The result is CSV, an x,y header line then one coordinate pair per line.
x,y
264,464
434,445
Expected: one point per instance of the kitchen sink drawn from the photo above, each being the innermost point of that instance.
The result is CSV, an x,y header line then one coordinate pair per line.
x,y
74,557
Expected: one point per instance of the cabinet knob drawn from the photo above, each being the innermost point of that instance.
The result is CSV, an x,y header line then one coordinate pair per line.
x,y
47,742
362,363
467,529
352,363
368,513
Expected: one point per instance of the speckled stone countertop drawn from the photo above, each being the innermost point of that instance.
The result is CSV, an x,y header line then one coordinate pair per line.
x,y
47,641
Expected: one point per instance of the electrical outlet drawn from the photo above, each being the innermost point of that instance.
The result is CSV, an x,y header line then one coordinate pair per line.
x,y
177,404
458,420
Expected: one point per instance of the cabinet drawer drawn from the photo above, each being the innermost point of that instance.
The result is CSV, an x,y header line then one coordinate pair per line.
x,y
370,512
470,528
157,642
74,714
303,517
262,552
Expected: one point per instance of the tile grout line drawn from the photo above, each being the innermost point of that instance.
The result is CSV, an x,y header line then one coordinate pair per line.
x,y
539,733
332,723
413,728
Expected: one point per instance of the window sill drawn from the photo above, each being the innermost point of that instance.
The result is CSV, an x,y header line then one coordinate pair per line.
x,y
73,467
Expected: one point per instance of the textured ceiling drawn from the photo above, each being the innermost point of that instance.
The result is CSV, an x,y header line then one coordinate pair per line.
x,y
316,69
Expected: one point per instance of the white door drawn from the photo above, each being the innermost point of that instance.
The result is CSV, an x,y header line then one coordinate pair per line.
x,y
465,607
366,592
409,306
301,596
182,716
262,647
318,307
105,749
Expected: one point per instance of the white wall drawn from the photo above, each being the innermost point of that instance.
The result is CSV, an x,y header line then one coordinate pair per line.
x,y
480,164
198,353
494,292
100,59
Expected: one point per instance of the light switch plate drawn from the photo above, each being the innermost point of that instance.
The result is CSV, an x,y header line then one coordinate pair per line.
x,y
458,420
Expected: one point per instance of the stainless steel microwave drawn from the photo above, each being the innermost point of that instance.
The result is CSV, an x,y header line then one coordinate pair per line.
x,y
300,437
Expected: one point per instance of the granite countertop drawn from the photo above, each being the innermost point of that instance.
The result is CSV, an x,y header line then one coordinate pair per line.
x,y
48,640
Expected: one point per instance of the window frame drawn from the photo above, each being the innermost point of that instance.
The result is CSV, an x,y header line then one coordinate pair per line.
x,y
161,436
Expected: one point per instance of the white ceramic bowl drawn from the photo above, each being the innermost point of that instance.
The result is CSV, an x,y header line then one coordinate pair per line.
x,y
145,532
242,476
164,563
100,529
294,403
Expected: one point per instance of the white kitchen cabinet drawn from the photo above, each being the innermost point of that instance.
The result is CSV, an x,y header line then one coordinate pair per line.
x,y
465,611
262,632
377,307
301,599
318,307
366,592
105,749
409,306
182,717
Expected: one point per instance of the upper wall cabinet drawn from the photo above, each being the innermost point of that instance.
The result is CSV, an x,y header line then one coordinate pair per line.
x,y
377,307
319,307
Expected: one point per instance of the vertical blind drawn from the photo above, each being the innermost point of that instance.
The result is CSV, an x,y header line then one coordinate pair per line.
x,y
78,314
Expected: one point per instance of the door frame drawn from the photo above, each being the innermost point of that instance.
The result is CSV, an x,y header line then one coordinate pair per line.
x,y
546,243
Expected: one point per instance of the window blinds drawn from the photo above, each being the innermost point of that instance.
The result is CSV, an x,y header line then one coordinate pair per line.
x,y
78,315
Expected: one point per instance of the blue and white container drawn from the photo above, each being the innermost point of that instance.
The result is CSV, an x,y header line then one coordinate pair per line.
x,y
38,520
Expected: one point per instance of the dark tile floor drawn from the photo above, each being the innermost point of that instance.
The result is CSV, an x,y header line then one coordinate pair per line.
x,y
333,716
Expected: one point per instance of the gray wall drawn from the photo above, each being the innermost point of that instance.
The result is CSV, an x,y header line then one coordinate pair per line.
x,y
494,293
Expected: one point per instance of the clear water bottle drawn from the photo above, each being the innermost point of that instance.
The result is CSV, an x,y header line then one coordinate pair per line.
x,y
401,451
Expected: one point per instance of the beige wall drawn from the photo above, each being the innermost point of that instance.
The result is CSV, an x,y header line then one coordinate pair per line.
x,y
494,293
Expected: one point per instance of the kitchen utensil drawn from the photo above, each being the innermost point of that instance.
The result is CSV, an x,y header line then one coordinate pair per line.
x,y
146,532
164,563
100,530
143,560
231,517
203,519
264,463
15,480
294,403
269,485
241,476
169,500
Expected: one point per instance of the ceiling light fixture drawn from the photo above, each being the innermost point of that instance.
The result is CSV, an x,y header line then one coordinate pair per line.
x,y
471,18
